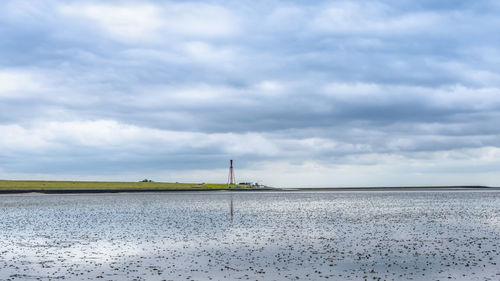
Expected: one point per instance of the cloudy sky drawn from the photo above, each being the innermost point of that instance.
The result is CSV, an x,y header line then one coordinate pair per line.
x,y
298,93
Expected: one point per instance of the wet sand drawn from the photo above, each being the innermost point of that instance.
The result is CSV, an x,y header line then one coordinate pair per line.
x,y
310,235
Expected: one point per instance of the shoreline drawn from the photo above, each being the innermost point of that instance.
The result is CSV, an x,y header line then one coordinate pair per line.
x,y
381,188
329,189
82,191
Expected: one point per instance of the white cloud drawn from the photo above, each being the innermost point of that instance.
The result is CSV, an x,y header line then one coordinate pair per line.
x,y
448,97
15,83
200,96
271,87
373,169
371,18
153,23
351,90
15,138
131,22
200,20
112,135
457,96
204,52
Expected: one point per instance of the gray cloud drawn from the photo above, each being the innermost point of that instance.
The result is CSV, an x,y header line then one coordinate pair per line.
x,y
187,84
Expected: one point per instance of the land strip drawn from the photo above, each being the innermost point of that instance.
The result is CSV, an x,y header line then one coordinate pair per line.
x,y
17,186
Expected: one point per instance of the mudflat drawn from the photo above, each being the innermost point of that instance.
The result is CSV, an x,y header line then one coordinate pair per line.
x,y
304,235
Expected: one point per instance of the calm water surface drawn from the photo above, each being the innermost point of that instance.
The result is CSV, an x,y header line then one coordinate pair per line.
x,y
352,235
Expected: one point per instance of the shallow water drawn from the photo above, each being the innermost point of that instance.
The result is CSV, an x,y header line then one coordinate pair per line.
x,y
351,235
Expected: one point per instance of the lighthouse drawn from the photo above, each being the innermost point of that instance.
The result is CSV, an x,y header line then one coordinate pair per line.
x,y
230,178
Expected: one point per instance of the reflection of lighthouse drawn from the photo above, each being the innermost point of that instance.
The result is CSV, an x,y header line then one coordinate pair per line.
x,y
231,210
230,179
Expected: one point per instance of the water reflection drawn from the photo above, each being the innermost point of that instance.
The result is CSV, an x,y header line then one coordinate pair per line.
x,y
231,209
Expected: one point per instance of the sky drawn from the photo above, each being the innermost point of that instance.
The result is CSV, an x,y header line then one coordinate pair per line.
x,y
297,93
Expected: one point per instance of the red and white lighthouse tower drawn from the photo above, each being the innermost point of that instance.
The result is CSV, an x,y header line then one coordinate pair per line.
x,y
230,178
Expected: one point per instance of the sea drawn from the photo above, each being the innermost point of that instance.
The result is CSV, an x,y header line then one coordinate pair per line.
x,y
399,234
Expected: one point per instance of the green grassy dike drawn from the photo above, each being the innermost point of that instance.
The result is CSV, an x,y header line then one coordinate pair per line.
x,y
32,185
